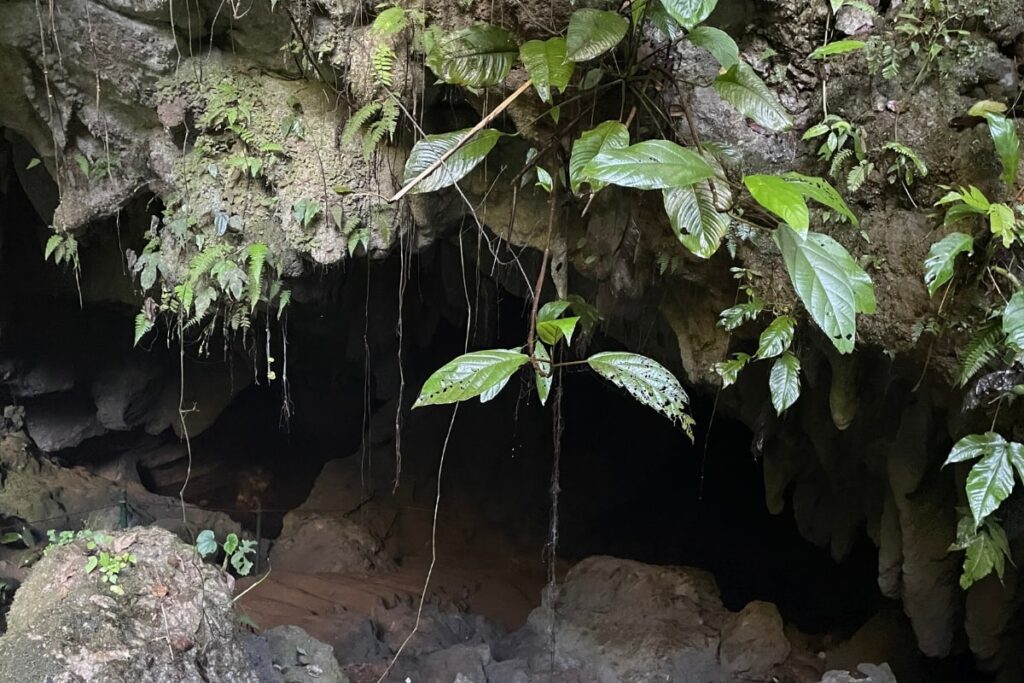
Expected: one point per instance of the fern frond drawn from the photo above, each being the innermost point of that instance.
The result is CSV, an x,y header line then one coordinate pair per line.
x,y
386,125
389,22
909,154
980,350
257,254
142,327
383,61
858,175
841,157
358,119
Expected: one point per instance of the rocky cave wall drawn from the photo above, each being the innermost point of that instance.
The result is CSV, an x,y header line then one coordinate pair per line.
x,y
130,79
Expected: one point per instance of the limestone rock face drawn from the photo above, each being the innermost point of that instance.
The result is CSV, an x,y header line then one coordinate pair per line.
x,y
173,622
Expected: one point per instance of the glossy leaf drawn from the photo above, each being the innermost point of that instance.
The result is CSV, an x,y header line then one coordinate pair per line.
x,y
716,41
781,198
744,90
543,380
592,33
777,337
838,47
821,191
733,317
553,310
605,136
550,331
989,483
860,281
823,284
974,446
784,381
457,166
470,375
649,165
1013,321
729,370
477,56
546,64
647,381
695,220
938,267
689,13
1004,134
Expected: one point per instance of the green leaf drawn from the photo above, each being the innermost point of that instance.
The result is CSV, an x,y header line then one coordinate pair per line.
x,y
649,165
984,555
389,22
241,563
744,90
716,41
989,482
231,543
457,166
647,381
1013,321
729,370
552,310
821,191
689,13
781,198
206,543
543,381
544,179
860,281
91,564
592,33
477,56
982,107
469,375
35,161
776,338
938,267
546,64
116,590
694,218
784,381
257,255
550,331
974,446
51,246
838,47
823,284
1015,452
733,317
1004,134
142,327
1003,223
605,136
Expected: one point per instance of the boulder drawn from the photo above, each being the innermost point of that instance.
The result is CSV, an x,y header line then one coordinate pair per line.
x,y
315,543
169,617
754,642
301,658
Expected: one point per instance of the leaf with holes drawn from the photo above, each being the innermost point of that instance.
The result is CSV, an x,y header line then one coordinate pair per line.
x,y
470,375
457,166
1004,134
729,370
838,47
592,33
938,267
544,380
241,563
1013,321
860,281
649,165
605,136
777,337
697,213
476,57
744,90
823,284
719,43
546,65
689,13
647,381
206,543
781,198
989,483
821,191
550,331
784,381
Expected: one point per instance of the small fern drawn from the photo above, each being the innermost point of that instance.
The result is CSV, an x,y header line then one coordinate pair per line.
x,y
142,326
257,255
383,62
859,175
839,160
383,127
359,119
200,266
980,351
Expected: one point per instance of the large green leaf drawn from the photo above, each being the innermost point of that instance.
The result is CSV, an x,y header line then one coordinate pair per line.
x,y
781,198
695,220
743,89
1013,321
776,338
838,47
974,446
784,381
989,482
592,33
821,191
823,284
716,41
649,165
605,136
477,56
938,267
469,375
1004,135
647,381
1015,452
432,147
546,64
863,288
689,13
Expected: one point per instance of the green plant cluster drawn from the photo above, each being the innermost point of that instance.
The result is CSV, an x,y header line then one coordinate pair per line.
x,y
236,551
